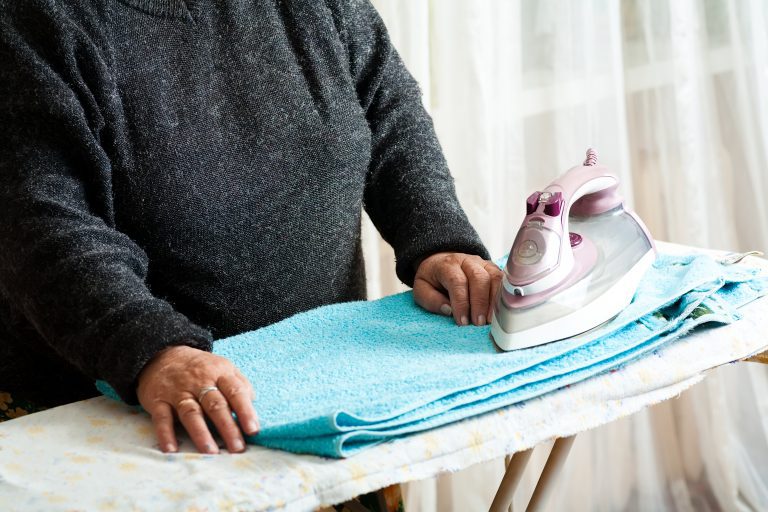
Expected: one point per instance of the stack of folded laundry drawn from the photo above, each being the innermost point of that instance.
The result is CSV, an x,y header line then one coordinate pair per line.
x,y
337,379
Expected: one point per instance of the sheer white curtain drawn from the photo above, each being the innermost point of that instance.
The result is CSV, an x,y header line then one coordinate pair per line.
x,y
674,97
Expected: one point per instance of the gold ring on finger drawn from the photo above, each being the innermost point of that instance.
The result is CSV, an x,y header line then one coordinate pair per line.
x,y
181,402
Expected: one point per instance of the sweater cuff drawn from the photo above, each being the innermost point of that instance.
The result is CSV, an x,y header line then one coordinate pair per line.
x,y
139,340
441,236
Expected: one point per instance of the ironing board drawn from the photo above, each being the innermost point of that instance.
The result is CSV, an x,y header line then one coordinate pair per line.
x,y
99,455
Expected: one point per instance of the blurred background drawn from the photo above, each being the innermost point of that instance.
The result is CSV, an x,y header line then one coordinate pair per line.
x,y
674,98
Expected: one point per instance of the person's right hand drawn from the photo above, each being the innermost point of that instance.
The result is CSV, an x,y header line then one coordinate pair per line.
x,y
171,384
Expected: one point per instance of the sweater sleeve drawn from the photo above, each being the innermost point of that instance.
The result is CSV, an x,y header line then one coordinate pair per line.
x,y
409,193
77,280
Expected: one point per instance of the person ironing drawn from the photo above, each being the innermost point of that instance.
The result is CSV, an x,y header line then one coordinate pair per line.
x,y
174,172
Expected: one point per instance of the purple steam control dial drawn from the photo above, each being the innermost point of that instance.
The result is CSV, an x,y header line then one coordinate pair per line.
x,y
554,205
532,203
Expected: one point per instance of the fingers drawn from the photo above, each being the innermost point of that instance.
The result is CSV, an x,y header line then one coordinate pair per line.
x,y
430,298
470,283
239,394
190,415
453,279
232,394
479,288
496,275
162,419
216,407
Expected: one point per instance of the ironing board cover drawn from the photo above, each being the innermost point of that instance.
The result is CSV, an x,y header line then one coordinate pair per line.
x,y
342,378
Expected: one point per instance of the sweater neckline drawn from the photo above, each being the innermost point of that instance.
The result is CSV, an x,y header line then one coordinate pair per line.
x,y
166,8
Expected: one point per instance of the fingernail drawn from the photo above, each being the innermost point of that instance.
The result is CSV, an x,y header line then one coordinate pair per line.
x,y
446,310
169,448
211,448
238,445
481,320
464,320
251,427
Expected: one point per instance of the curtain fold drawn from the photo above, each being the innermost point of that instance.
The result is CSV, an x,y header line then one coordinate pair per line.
x,y
672,96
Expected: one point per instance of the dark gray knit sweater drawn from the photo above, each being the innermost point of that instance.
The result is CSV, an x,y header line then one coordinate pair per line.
x,y
177,170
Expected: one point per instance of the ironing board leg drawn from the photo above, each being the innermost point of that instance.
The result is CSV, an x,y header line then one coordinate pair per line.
x,y
515,467
549,474
507,460
758,358
390,499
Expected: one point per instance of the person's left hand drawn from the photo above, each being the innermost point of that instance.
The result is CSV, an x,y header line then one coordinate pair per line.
x,y
459,284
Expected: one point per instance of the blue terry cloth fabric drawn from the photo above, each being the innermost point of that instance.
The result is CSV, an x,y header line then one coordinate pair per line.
x,y
337,379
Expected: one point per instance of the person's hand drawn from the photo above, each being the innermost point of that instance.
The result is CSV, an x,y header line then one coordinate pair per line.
x,y
191,384
458,284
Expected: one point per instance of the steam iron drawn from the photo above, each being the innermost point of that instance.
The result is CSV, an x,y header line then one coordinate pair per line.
x,y
576,261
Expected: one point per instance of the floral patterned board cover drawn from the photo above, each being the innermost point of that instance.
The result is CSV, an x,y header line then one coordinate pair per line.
x,y
100,455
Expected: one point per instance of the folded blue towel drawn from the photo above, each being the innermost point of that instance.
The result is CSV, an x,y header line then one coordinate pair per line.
x,y
338,379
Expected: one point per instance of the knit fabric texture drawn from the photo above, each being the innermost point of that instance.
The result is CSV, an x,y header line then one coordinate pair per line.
x,y
177,171
344,377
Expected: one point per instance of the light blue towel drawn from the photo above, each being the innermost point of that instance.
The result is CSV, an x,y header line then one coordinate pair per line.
x,y
341,378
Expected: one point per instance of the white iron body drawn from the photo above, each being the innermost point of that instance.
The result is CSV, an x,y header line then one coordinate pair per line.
x,y
576,262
